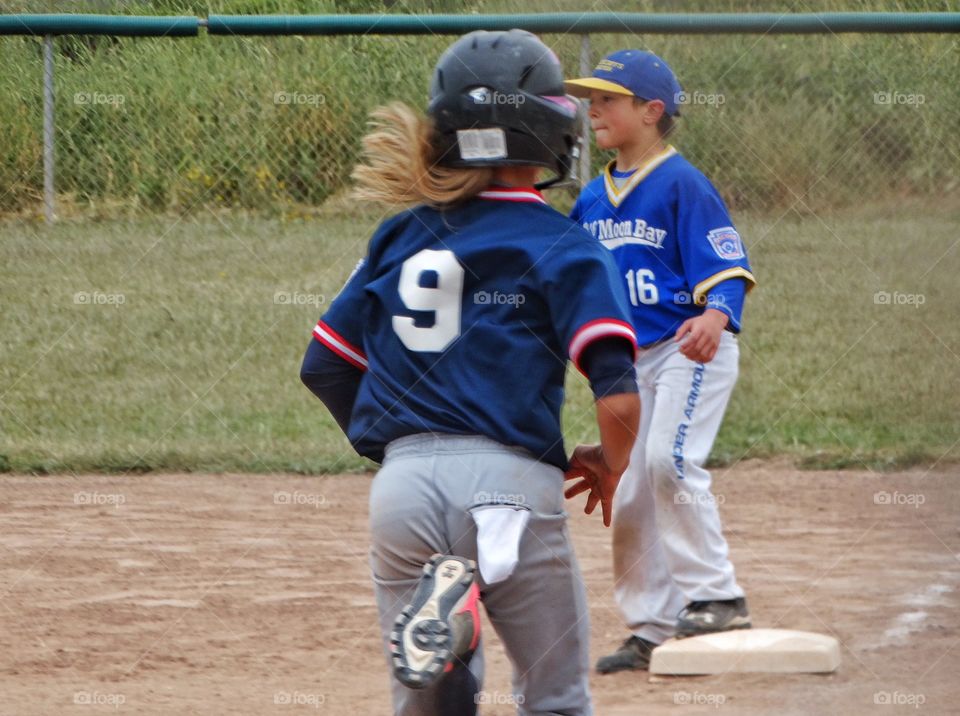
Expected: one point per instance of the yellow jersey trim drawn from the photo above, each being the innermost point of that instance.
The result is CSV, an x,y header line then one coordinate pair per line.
x,y
616,195
700,290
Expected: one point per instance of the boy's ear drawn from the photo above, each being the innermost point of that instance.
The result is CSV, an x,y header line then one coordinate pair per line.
x,y
655,110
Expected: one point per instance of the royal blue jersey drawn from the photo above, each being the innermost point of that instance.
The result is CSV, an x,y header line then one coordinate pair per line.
x,y
464,320
674,243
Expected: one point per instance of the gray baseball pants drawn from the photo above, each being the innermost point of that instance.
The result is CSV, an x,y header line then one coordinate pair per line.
x,y
420,504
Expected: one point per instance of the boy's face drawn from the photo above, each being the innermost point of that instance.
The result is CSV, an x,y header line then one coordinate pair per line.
x,y
617,120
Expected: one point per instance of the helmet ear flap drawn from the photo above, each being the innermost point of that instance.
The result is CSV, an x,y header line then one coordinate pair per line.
x,y
568,172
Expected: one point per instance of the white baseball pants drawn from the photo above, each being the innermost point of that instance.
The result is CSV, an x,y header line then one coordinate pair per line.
x,y
668,546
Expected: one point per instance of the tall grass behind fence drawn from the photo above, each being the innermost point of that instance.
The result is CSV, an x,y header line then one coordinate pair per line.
x,y
274,123
157,124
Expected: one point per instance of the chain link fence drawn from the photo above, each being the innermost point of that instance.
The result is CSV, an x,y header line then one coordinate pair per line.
x,y
273,124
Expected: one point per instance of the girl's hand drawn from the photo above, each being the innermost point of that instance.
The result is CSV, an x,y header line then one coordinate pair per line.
x,y
588,464
702,335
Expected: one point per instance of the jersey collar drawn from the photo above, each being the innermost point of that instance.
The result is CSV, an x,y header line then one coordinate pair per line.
x,y
513,193
616,195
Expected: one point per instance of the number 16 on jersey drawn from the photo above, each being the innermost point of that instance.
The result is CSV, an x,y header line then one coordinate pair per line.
x,y
640,284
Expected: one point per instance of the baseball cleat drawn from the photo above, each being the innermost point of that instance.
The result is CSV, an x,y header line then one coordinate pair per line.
x,y
709,617
633,655
441,627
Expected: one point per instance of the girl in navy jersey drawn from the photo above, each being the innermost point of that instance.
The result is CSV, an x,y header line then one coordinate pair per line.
x,y
444,358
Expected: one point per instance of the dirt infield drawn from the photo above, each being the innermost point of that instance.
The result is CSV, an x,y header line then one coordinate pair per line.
x,y
248,594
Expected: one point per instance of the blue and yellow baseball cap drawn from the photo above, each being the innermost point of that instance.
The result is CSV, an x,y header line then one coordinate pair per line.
x,y
636,73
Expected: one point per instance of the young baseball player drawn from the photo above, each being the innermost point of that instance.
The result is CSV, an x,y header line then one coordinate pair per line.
x,y
444,358
685,272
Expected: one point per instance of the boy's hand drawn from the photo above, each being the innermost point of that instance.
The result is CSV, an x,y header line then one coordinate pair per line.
x,y
702,335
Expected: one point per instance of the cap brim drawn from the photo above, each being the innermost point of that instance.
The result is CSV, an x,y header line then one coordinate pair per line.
x,y
582,87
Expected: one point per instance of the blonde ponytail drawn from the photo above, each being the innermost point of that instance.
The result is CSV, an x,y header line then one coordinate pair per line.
x,y
400,166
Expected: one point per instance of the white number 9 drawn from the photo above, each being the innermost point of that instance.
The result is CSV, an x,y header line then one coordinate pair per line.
x,y
444,300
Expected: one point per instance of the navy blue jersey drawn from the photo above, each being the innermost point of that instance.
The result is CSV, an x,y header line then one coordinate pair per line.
x,y
464,320
673,241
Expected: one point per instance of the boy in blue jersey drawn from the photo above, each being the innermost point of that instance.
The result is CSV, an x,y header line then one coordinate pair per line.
x,y
444,358
685,271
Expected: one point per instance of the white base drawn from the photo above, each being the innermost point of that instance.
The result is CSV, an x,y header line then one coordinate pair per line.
x,y
780,651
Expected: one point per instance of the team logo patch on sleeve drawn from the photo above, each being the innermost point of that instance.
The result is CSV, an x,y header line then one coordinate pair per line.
x,y
726,243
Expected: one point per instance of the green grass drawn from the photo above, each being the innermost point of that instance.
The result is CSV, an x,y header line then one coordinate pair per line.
x,y
197,369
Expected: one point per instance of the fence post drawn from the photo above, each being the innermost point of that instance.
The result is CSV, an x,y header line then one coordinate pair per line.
x,y
586,172
48,189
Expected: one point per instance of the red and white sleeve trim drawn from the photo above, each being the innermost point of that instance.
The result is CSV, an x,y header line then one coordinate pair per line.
x,y
513,193
595,330
339,345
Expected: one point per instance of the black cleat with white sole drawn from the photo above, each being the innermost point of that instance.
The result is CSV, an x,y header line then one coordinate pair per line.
x,y
710,617
441,626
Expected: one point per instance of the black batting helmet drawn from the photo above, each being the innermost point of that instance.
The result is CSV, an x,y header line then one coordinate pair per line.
x,y
497,99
